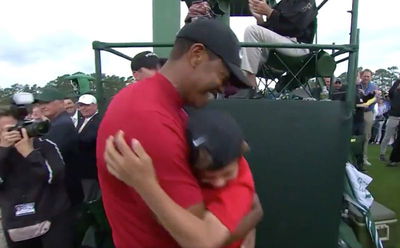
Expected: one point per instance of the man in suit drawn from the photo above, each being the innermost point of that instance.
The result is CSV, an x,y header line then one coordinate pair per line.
x,y
72,110
63,133
87,129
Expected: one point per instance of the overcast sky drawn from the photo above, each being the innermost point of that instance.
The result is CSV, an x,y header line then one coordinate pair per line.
x,y
43,39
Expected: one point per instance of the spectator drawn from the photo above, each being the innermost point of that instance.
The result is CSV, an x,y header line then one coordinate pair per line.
x,y
63,133
367,90
144,65
288,22
72,110
151,110
358,130
327,82
33,197
217,147
380,109
394,158
393,119
338,91
87,129
37,114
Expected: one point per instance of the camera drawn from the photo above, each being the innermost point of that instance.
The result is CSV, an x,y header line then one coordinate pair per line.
x,y
19,108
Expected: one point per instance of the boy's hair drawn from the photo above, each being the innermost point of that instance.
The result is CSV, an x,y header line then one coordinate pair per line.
x,y
215,136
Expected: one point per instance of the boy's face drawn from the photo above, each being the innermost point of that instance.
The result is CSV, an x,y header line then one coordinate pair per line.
x,y
219,178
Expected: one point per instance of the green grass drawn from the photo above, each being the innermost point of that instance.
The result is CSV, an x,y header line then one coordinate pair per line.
x,y
385,186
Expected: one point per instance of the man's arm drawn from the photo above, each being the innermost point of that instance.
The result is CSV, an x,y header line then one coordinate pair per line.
x,y
290,17
135,169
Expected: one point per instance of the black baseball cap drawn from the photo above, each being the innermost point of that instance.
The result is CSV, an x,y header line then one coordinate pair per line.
x,y
145,59
220,40
218,133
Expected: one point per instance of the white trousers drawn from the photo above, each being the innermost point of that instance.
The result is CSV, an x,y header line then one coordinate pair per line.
x,y
390,131
253,56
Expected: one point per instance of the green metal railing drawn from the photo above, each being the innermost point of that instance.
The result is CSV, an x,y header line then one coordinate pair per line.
x,y
162,32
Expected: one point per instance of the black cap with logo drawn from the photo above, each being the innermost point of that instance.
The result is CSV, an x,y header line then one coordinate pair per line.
x,y
218,133
145,59
220,40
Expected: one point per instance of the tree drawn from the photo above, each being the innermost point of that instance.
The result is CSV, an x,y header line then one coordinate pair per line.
x,y
384,78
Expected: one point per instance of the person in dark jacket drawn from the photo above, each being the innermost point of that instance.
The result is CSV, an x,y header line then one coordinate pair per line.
x,y
63,133
33,198
394,158
290,21
87,129
394,118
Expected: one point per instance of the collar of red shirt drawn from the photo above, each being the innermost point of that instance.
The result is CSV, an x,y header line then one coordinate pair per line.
x,y
169,91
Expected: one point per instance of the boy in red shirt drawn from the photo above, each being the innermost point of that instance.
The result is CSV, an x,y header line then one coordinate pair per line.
x,y
216,147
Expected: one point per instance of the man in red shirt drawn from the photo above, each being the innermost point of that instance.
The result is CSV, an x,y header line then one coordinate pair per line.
x,y
204,57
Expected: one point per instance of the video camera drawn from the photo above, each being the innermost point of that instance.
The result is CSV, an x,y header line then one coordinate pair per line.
x,y
19,103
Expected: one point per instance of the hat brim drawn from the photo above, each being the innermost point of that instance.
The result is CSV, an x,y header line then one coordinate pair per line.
x,y
39,99
238,78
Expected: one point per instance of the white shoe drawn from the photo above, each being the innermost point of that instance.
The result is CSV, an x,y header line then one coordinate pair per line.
x,y
367,163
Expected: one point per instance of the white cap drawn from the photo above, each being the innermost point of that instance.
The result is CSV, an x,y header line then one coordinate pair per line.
x,y
87,99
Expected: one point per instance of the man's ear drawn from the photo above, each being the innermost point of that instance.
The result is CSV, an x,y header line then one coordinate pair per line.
x,y
196,54
245,147
204,159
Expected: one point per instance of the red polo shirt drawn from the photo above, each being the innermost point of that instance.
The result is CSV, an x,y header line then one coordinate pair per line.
x,y
150,111
234,201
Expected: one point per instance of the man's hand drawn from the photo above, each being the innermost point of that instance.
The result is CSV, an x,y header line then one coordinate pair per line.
x,y
258,17
260,7
25,145
8,138
133,165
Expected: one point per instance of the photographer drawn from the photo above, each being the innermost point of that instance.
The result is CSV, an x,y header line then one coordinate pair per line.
x,y
33,198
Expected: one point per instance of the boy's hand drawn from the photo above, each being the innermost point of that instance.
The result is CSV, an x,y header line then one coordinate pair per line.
x,y
133,165
250,240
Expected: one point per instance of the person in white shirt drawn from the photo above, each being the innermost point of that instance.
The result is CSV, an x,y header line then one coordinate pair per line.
x,y
87,129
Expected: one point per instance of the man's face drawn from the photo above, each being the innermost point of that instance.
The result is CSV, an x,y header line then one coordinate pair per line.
x,y
219,178
7,121
52,109
209,76
327,81
143,73
366,77
69,106
337,85
87,110
37,113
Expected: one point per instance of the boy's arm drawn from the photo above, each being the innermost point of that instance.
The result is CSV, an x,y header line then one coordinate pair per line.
x,y
136,170
249,221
